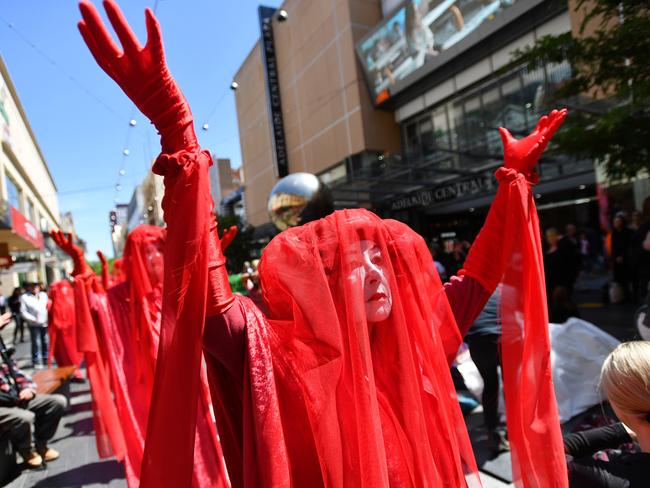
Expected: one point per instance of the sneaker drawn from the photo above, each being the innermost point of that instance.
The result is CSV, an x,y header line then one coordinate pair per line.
x,y
48,454
32,459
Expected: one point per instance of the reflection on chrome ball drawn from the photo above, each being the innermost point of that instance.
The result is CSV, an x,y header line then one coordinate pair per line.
x,y
297,199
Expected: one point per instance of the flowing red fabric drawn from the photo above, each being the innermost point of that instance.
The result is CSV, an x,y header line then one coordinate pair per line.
x,y
61,326
108,433
132,389
117,273
144,296
329,400
177,396
531,409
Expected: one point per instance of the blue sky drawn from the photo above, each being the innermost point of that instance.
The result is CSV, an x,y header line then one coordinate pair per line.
x,y
83,136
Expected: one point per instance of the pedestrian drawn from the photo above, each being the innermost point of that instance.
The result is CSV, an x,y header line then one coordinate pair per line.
x,y
624,381
33,309
483,340
3,303
14,307
558,264
621,245
23,411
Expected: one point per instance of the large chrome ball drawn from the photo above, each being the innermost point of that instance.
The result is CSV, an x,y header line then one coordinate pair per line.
x,y
297,199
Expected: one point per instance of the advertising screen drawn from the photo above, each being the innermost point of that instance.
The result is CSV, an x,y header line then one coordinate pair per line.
x,y
415,34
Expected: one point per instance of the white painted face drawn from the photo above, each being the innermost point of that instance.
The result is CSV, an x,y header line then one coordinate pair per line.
x,y
376,288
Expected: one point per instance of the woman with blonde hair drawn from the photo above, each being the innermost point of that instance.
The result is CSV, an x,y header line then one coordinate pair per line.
x,y
625,381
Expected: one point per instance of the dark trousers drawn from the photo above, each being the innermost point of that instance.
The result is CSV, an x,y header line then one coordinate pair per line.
x,y
485,354
41,416
38,334
20,327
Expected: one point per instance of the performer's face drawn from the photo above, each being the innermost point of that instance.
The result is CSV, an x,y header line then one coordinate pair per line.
x,y
154,262
376,288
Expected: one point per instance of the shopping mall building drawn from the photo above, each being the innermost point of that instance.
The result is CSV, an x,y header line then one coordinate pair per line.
x,y
396,106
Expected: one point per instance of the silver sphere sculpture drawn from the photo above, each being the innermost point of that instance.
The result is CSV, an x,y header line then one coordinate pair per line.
x,y
297,199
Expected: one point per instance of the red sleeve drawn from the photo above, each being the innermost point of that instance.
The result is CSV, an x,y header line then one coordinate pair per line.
x,y
188,212
224,339
466,297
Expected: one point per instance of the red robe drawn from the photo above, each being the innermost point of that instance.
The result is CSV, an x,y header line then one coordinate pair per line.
x,y
322,399
61,326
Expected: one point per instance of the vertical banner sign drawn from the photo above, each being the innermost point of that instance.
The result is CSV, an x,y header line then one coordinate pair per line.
x,y
273,91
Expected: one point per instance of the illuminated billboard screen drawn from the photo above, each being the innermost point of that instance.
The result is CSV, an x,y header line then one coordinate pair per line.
x,y
415,34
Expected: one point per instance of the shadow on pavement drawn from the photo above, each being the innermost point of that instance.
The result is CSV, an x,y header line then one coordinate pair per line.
x,y
101,472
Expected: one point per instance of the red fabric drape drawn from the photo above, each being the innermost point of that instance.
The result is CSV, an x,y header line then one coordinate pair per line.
x,y
108,433
531,409
176,402
61,326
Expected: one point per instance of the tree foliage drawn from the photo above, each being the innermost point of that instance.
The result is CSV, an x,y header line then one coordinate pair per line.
x,y
608,94
241,247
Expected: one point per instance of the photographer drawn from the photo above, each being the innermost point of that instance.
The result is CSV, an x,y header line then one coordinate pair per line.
x,y
23,411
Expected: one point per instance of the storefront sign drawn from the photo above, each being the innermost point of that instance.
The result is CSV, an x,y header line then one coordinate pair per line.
x,y
483,183
273,91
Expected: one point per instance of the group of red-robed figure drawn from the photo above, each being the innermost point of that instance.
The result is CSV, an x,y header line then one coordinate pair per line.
x,y
344,380
113,323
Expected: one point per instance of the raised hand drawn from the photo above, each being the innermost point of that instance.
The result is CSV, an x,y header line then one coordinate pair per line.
x,y
141,72
228,236
105,274
523,154
68,246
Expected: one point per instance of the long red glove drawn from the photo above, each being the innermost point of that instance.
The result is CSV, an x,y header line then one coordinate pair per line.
x,y
220,296
228,236
105,275
141,72
68,246
487,259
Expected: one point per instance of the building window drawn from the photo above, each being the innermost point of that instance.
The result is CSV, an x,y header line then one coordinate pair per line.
x,y
31,210
14,194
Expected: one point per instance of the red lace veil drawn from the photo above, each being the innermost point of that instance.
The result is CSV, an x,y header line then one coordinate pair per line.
x,y
362,407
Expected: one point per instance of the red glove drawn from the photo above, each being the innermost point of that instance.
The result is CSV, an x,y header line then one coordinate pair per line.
x,y
220,296
141,72
105,275
488,256
68,246
522,155
228,236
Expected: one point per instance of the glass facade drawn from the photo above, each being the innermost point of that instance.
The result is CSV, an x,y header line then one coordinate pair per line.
x,y
461,134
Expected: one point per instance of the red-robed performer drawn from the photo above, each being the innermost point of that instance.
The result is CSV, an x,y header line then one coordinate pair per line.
x,y
62,327
345,382
109,437
126,319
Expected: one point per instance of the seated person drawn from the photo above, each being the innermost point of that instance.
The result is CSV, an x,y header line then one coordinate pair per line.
x,y
624,380
23,411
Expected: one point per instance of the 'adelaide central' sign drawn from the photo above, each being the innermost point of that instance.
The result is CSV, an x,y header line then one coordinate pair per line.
x,y
482,183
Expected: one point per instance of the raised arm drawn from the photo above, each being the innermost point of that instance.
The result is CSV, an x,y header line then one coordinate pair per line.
x,y
106,280
67,245
195,278
488,256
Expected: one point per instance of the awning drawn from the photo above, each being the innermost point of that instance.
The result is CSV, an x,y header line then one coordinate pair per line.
x,y
17,231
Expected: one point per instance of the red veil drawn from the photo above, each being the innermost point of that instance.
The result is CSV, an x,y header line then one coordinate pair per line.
x,y
61,326
369,405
